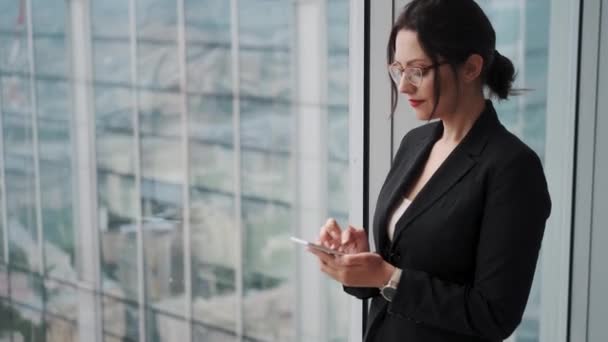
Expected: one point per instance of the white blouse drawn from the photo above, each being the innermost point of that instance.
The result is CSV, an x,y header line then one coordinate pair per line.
x,y
396,216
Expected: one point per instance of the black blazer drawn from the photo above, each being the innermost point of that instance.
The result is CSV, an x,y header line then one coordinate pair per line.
x,y
469,242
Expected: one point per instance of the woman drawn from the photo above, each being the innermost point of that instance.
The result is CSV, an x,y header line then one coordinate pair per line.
x,y
461,215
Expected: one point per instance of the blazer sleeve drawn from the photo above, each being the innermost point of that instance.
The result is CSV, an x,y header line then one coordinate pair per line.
x,y
362,292
491,306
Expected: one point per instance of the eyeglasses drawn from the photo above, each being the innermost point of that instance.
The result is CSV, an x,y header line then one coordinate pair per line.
x,y
414,75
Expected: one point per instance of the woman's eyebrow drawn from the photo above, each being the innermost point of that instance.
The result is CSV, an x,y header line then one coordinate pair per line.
x,y
416,60
412,61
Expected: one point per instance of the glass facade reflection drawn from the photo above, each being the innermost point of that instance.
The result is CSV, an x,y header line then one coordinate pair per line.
x,y
199,114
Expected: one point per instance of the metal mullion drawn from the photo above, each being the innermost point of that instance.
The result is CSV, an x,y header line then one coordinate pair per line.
x,y
295,174
185,118
521,72
358,98
85,190
580,327
137,149
35,140
236,121
3,190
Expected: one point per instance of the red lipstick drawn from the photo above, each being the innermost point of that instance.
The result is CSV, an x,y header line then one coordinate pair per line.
x,y
415,103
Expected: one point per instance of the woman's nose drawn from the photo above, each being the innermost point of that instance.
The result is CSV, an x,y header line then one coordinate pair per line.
x,y
405,87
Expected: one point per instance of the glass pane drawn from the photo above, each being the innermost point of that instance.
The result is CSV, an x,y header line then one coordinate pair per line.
x,y
116,183
276,168
4,283
18,147
157,19
9,15
111,62
117,203
56,188
26,324
110,18
120,319
26,289
269,107
111,338
280,117
268,304
162,178
60,329
166,328
157,44
13,56
2,215
15,93
208,21
525,115
209,68
51,57
212,334
33,204
162,164
157,62
20,191
214,256
61,307
211,143
208,42
48,17
213,259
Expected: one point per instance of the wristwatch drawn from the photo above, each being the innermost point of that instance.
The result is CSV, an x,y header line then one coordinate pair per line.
x,y
389,289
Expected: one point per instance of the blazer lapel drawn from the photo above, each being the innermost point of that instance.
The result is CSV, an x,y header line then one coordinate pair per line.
x,y
448,174
404,174
456,166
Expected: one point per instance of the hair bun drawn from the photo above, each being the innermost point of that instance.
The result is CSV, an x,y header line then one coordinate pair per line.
x,y
500,76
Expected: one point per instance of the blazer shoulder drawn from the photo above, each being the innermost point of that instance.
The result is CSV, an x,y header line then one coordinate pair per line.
x,y
505,148
419,133
423,131
512,163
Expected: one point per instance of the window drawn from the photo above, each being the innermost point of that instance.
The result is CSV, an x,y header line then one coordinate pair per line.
x,y
215,130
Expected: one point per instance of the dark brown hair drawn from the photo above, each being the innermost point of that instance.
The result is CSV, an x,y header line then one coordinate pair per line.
x,y
453,30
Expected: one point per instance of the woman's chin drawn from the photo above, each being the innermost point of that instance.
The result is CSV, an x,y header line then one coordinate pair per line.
x,y
422,114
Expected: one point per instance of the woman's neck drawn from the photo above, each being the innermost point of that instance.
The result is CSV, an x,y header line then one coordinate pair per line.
x,y
457,125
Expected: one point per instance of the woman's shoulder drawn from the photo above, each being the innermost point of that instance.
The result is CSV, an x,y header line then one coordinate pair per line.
x,y
511,163
419,133
504,147
508,159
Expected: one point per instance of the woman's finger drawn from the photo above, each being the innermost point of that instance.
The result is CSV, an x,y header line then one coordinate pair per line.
x,y
333,228
330,234
325,238
348,235
347,240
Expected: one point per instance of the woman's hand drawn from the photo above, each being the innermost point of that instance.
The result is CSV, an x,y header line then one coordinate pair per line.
x,y
350,241
356,270
330,234
354,240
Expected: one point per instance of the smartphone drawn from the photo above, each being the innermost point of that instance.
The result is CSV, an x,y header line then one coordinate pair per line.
x,y
315,246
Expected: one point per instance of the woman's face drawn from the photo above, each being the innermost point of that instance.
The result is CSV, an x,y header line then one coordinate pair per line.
x,y
409,53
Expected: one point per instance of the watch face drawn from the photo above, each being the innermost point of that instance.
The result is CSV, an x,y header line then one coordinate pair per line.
x,y
388,293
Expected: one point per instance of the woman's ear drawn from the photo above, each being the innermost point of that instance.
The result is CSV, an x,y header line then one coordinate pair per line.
x,y
472,68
